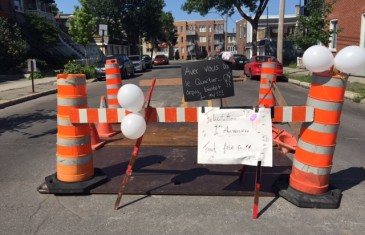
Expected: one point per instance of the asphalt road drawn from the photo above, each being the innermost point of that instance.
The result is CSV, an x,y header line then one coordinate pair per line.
x,y
28,147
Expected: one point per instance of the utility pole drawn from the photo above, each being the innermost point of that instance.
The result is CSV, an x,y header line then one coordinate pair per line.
x,y
225,35
279,52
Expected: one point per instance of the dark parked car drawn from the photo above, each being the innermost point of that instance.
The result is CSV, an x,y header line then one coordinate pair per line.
x,y
253,67
125,65
138,62
160,59
148,60
239,61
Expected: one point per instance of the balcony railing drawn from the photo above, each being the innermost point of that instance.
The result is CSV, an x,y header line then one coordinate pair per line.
x,y
49,16
218,42
189,43
190,32
218,31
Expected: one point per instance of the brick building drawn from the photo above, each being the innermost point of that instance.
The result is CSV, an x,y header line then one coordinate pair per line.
x,y
199,36
349,17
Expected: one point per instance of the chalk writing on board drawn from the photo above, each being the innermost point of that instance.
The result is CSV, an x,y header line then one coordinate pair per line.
x,y
235,136
208,79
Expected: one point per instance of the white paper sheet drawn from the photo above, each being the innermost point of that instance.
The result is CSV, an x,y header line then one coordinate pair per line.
x,y
235,136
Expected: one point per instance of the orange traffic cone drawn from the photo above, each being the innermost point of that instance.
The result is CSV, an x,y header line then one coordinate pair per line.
x,y
96,142
105,130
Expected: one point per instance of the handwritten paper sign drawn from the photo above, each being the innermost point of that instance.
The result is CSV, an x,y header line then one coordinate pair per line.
x,y
235,136
207,79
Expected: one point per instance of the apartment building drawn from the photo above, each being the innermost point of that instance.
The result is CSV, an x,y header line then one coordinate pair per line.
x,y
199,38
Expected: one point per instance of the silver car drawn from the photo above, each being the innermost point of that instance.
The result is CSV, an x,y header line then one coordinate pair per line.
x,y
138,62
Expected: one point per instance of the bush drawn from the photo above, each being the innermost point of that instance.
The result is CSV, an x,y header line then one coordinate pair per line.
x,y
73,68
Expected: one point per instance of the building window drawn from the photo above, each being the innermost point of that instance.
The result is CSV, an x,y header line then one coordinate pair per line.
x,y
182,39
202,29
362,31
210,28
181,29
182,50
202,39
240,31
19,5
333,39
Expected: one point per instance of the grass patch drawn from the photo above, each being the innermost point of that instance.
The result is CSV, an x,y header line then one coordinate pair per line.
x,y
355,87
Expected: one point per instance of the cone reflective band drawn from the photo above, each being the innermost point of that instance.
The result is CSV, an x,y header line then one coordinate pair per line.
x,y
268,75
74,155
113,82
314,153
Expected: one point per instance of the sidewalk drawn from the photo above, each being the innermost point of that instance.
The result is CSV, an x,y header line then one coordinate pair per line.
x,y
18,91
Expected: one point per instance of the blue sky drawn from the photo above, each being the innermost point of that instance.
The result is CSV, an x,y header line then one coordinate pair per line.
x,y
174,6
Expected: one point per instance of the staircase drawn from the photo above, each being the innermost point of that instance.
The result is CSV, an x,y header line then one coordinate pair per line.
x,y
67,41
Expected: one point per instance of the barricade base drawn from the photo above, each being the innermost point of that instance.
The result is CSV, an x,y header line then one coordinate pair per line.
x,y
329,200
54,186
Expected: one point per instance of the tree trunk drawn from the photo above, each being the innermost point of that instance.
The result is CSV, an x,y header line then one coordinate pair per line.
x,y
254,40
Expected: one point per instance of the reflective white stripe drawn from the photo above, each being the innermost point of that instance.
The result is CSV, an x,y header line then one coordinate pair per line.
x,y
114,106
71,81
323,128
332,82
112,76
73,141
265,86
287,114
83,115
266,96
114,86
180,114
328,106
268,76
110,66
310,169
64,121
71,101
324,150
309,114
112,97
74,161
160,114
121,114
102,115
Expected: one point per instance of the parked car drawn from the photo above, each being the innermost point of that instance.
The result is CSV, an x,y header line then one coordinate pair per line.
x,y
138,62
125,65
160,59
148,60
253,67
239,61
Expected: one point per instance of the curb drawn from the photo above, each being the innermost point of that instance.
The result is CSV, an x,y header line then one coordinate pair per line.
x,y
348,94
33,96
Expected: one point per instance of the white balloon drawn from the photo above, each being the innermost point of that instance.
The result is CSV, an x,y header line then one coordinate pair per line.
x,y
350,59
131,97
318,58
133,126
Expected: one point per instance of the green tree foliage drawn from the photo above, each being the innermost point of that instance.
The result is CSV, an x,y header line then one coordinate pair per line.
x,y
83,24
229,7
13,47
41,37
313,27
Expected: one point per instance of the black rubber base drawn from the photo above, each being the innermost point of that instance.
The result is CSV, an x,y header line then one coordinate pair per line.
x,y
330,200
54,186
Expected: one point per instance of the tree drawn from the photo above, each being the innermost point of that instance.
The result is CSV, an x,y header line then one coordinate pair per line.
x,y
12,46
177,55
229,7
83,25
313,27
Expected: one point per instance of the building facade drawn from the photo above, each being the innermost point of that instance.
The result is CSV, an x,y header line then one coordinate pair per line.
x,y
267,32
197,39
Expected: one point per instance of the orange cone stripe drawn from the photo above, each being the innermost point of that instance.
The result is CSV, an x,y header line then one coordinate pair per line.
x,y
181,114
74,155
307,179
268,75
113,82
314,153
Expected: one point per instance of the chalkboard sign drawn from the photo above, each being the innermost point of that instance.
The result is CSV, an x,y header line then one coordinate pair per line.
x,y
207,79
